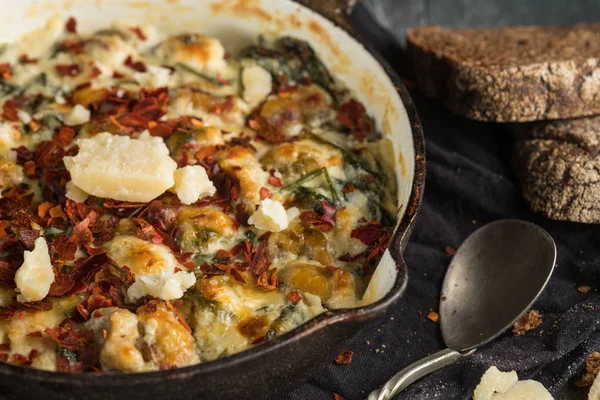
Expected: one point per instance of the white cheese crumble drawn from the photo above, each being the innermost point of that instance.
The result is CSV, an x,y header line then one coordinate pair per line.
x,y
78,115
271,216
192,183
497,385
35,275
122,168
24,116
157,271
153,77
76,194
257,83
595,389
166,285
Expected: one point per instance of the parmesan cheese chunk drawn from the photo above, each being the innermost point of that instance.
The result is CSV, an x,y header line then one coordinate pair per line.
x,y
122,168
257,83
78,115
497,385
192,183
271,216
75,194
154,77
35,275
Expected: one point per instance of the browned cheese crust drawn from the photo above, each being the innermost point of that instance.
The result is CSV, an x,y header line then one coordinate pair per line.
x,y
511,74
558,167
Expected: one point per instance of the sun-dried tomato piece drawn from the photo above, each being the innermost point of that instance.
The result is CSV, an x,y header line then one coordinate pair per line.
x,y
9,111
71,25
345,357
268,280
68,69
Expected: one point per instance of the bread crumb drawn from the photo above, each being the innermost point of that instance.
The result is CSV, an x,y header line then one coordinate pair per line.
x,y
584,289
433,316
592,367
529,321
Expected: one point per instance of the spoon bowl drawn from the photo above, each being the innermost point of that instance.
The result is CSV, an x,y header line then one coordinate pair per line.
x,y
494,277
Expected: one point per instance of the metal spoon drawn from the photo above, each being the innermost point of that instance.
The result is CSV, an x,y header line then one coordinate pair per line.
x,y
495,276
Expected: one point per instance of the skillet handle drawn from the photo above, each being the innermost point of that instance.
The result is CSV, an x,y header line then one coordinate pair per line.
x,y
337,11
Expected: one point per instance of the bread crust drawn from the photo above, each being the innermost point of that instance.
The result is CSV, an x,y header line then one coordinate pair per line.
x,y
558,166
509,74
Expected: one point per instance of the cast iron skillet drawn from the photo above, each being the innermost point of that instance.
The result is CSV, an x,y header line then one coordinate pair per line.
x,y
269,369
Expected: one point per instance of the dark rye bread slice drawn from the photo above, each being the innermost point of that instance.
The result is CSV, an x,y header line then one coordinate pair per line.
x,y
512,74
558,166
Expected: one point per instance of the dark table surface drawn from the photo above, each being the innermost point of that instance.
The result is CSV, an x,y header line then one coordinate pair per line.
x,y
470,183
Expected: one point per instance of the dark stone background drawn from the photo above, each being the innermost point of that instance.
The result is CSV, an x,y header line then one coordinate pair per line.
x,y
397,15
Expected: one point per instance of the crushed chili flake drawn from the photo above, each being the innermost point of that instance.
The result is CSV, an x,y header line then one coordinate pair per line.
x,y
345,357
265,193
433,316
294,296
138,32
68,69
24,59
135,65
236,275
65,135
264,129
353,115
29,169
529,321
337,397
9,111
268,280
71,25
584,289
450,250
5,71
349,188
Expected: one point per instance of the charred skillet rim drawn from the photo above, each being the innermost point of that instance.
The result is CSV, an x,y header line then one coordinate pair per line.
x,y
330,10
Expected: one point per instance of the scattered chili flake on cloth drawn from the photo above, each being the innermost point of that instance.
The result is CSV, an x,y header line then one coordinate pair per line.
x,y
345,357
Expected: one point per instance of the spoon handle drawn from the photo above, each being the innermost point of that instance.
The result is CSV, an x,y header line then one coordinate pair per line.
x,y
416,371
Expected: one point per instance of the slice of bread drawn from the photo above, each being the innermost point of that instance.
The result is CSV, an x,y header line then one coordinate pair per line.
x,y
512,74
558,166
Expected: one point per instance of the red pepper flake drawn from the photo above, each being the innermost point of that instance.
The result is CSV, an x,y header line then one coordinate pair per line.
x,y
264,129
222,80
368,233
353,115
450,250
5,71
584,289
349,188
72,46
294,296
29,169
65,135
24,59
337,397
71,25
4,347
332,268
9,111
345,357
96,72
268,280
68,69
136,66
433,316
138,32
3,357
222,107
117,75
265,193
236,275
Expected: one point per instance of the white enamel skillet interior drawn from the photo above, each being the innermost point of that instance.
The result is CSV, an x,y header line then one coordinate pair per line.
x,y
239,22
